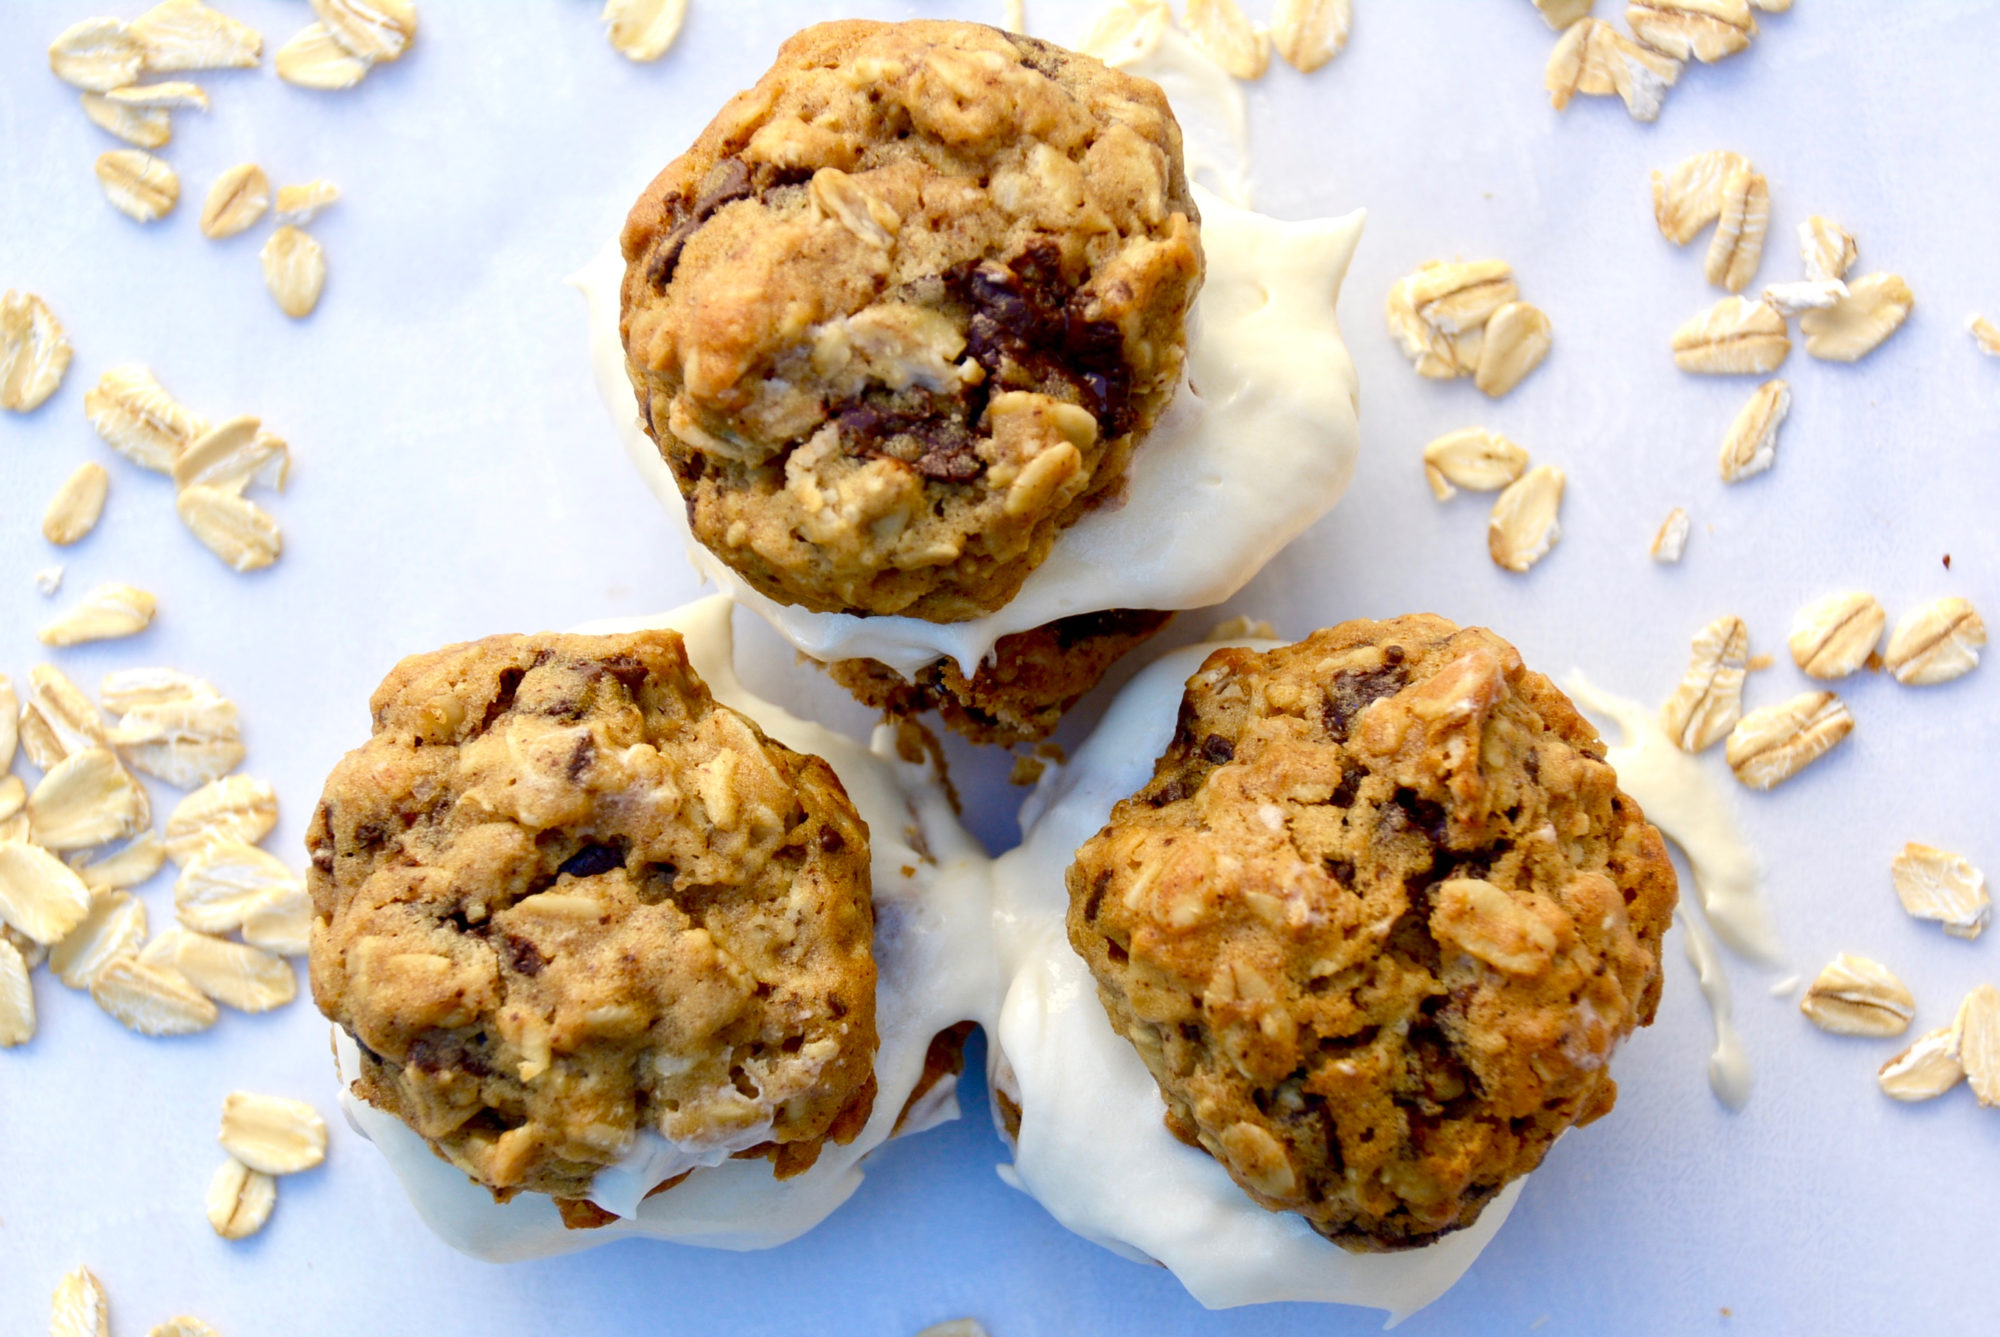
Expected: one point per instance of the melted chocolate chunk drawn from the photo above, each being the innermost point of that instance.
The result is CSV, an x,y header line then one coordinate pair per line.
x,y
522,956
594,859
1349,693
728,181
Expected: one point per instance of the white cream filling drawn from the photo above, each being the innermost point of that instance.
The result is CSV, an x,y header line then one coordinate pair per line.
x,y
1092,1147
934,965
1257,445
1678,796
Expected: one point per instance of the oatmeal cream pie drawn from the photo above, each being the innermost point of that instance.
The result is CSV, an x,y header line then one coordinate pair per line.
x,y
593,937
905,309
1310,953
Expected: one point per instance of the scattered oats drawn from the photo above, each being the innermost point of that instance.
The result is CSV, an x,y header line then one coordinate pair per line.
x,y
147,127
294,271
236,807
10,722
187,742
130,866
1689,198
78,1308
13,796
17,997
73,722
1829,250
1709,700
1751,444
167,96
124,689
372,30
1938,642
232,455
1928,1068
1517,339
1639,75
1737,247
272,1134
313,59
1560,14
1875,307
1975,1034
1703,30
1802,295
1856,996
34,351
1309,33
237,530
245,978
86,799
1939,885
73,511
48,580
1734,337
1576,65
1455,295
1986,334
183,1326
224,881
1014,16
1220,29
97,55
140,420
240,1200
300,205
39,894
188,35
1472,458
151,999
14,828
644,29
38,740
32,952
1524,526
281,922
1671,541
957,1327
1430,352
1834,636
106,613
1773,744
238,198
1772,6
138,185
116,926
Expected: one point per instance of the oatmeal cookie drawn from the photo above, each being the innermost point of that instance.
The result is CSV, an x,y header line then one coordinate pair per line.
x,y
1376,923
562,895
906,307
1020,693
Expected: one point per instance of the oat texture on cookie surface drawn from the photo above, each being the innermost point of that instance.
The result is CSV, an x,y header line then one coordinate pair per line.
x,y
562,897
906,309
1376,924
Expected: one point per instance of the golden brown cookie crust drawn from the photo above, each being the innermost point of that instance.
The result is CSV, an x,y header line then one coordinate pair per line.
x,y
905,308
562,895
1020,693
1376,923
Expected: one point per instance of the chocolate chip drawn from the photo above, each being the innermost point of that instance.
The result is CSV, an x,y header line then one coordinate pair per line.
x,y
1171,792
523,957
830,840
1350,693
580,758
1216,749
503,696
629,670
595,858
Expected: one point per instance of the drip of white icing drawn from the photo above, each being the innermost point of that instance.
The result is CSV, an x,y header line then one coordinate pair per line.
x,y
1729,1072
1092,1147
934,966
1258,444
1679,798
